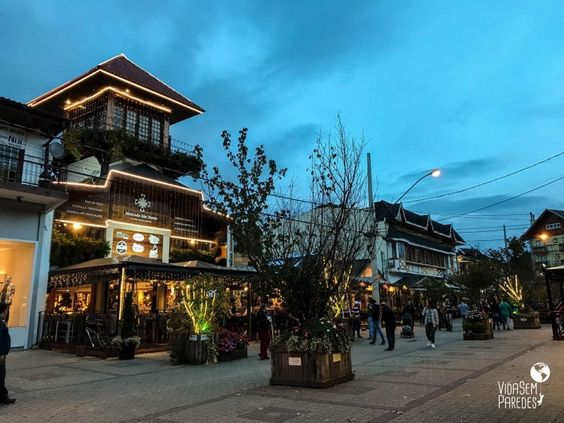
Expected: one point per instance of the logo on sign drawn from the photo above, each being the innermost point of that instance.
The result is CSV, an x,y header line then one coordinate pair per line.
x,y
121,248
142,203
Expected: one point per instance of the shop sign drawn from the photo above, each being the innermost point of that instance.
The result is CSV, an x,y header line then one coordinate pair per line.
x,y
336,358
143,244
12,136
294,361
85,207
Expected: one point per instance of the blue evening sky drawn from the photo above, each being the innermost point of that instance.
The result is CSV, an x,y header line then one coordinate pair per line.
x,y
473,87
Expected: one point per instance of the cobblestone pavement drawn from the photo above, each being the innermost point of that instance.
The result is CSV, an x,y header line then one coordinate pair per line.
x,y
456,382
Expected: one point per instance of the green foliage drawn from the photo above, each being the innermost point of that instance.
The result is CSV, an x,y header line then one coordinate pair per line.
x,y
189,254
67,249
316,336
111,145
435,290
128,323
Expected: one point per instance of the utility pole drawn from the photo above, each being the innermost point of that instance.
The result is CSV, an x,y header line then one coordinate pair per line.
x,y
505,235
372,239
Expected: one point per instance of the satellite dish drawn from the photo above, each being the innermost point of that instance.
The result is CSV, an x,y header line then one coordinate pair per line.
x,y
56,149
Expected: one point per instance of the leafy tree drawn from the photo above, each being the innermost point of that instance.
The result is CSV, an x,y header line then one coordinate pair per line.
x,y
67,249
304,251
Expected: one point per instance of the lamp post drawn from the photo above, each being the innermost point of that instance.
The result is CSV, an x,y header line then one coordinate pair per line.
x,y
376,285
435,173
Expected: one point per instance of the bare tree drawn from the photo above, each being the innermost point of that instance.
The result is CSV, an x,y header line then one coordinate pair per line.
x,y
304,250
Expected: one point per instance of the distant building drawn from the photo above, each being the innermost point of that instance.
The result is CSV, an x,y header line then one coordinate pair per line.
x,y
28,196
546,236
467,256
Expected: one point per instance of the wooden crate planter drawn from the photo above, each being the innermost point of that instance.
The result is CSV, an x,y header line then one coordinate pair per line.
x,y
197,349
233,355
526,321
477,331
310,370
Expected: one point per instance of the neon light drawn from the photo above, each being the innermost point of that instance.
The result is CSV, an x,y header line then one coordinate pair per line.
x,y
123,93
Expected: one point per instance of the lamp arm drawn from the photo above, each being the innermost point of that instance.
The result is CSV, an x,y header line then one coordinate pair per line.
x,y
411,187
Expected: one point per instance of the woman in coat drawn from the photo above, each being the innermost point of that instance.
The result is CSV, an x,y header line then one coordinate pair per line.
x,y
431,319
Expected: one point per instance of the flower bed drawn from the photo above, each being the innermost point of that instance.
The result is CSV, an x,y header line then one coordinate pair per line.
x,y
477,326
231,345
316,355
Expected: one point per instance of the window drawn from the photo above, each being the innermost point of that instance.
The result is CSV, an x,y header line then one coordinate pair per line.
x,y
131,121
140,123
424,256
551,226
11,160
143,127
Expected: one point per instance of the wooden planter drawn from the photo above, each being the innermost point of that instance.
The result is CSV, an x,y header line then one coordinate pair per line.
x,y
127,352
233,355
197,349
526,321
477,331
310,370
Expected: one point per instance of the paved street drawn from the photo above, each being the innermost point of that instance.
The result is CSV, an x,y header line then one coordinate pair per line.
x,y
456,382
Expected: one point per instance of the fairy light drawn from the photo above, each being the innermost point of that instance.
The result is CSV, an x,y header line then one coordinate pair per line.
x,y
120,92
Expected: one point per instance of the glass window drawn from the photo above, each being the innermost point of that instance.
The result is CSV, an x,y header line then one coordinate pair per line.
x,y
119,116
143,127
9,163
131,122
156,131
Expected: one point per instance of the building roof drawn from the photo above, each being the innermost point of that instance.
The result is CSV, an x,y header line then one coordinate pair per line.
x,y
398,214
530,233
118,70
396,233
22,116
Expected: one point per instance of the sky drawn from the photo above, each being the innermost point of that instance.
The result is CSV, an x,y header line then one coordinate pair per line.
x,y
475,88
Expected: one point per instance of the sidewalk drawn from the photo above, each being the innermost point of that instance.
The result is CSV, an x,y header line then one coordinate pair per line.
x,y
456,382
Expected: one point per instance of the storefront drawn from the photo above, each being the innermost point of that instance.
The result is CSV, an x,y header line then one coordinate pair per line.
x,y
90,295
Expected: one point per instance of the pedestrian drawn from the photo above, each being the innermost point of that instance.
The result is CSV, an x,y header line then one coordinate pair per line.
x,y
374,321
505,313
431,318
408,314
494,313
5,344
263,329
449,315
390,322
463,309
356,318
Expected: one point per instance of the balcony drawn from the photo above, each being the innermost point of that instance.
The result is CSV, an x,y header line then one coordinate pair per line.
x,y
28,181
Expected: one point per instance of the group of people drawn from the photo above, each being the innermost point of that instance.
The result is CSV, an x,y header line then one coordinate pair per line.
x,y
499,312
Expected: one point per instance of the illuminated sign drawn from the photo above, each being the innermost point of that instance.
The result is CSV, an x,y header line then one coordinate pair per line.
x,y
85,206
136,243
12,136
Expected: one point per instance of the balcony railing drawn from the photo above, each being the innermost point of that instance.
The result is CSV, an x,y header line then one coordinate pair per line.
x,y
30,172
540,250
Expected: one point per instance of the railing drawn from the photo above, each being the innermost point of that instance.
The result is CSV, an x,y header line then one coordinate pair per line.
x,y
540,250
32,172
70,329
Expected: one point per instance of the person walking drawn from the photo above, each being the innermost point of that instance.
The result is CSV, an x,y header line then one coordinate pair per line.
x,y
263,329
495,314
449,315
390,322
431,319
505,313
408,314
356,318
374,321
5,344
463,309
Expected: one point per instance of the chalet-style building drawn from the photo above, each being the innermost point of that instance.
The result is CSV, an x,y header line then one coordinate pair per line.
x,y
546,236
28,196
122,172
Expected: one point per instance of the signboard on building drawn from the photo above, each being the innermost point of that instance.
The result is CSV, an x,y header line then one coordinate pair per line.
x,y
135,243
85,206
12,136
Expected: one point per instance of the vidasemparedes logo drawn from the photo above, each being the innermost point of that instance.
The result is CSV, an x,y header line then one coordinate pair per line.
x,y
524,395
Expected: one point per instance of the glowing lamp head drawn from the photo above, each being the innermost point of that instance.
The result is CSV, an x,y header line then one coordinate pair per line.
x,y
76,226
435,173
543,236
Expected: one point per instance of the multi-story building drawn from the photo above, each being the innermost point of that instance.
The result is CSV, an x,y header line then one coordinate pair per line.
x,y
412,248
28,196
546,236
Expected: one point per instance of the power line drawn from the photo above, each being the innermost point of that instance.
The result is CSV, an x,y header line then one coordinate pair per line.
x,y
506,200
486,182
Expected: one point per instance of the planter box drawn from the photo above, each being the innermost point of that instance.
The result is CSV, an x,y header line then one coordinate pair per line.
x,y
526,322
477,331
310,370
197,349
233,355
127,352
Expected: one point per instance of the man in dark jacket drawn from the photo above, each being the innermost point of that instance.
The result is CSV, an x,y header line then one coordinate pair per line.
x,y
5,344
390,321
263,329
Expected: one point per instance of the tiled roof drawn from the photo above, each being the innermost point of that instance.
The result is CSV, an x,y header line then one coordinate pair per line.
x,y
531,232
121,67
396,232
560,213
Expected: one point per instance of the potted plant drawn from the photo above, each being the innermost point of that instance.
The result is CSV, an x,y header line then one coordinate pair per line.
x,y
303,252
127,340
477,326
231,345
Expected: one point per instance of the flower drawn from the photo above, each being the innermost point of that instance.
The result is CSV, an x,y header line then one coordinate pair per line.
x,y
119,342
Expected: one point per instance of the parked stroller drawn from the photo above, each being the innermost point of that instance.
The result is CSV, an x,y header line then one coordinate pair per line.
x,y
407,329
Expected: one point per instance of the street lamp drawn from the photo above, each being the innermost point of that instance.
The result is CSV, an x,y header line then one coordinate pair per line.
x,y
434,173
